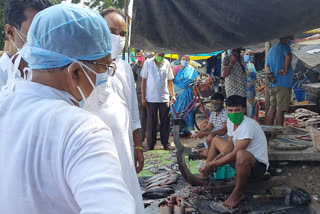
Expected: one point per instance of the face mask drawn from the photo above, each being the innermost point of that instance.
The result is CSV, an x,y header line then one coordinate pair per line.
x,y
140,58
216,107
236,118
184,63
96,99
229,52
290,42
159,59
100,79
118,43
247,58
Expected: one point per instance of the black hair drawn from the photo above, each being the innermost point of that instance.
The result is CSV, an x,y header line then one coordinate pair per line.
x,y
14,10
236,100
107,11
217,96
138,50
237,53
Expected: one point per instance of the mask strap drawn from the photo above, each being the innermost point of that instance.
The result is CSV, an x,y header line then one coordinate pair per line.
x,y
19,34
14,46
82,94
28,76
93,85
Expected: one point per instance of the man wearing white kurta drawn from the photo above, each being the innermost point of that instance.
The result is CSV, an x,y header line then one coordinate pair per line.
x,y
114,113
56,157
16,29
123,81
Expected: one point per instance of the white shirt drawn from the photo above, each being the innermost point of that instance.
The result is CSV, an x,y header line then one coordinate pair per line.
x,y
250,129
56,158
157,80
5,65
115,114
123,85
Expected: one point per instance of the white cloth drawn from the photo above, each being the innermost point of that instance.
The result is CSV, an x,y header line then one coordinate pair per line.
x,y
115,114
157,80
123,84
5,66
250,129
57,158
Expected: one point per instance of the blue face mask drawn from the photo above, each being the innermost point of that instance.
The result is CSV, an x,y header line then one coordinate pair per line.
x,y
184,63
290,42
247,58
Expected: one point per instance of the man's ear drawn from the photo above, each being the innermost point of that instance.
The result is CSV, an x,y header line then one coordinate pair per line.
x,y
9,30
74,72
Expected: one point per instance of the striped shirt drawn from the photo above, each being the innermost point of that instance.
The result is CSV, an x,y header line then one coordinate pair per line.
x,y
218,120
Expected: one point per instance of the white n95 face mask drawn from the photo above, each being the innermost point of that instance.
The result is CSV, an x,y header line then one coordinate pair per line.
x,y
118,43
100,79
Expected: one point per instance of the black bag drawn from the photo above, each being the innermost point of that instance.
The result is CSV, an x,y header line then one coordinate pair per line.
x,y
299,197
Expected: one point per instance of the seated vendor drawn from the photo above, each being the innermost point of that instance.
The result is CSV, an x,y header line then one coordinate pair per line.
x,y
245,150
217,124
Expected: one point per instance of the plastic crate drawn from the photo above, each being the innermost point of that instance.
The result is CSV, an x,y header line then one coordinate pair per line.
x,y
224,172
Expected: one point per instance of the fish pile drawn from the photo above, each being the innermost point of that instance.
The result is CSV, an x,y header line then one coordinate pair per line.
x,y
158,186
302,118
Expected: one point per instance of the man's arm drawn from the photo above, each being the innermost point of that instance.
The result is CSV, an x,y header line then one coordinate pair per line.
x,y
138,151
171,91
143,92
267,69
227,70
287,62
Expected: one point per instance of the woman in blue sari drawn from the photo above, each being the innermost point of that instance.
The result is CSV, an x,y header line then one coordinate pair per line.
x,y
184,74
251,83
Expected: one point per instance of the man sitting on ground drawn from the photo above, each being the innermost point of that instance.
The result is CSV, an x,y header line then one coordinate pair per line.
x,y
217,124
245,150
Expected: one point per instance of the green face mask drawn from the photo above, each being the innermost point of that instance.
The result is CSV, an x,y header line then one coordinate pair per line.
x,y
236,118
159,59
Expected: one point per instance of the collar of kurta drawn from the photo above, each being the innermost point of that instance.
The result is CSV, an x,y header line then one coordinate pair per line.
x,y
40,90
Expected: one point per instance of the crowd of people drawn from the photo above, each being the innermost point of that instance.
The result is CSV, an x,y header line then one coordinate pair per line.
x,y
74,116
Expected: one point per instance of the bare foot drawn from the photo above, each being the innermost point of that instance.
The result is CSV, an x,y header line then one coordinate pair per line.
x,y
234,199
202,175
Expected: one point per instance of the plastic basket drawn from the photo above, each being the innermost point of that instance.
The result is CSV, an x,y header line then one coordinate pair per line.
x,y
300,94
224,172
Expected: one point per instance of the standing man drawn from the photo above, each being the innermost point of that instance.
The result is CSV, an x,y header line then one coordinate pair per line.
x,y
123,82
18,15
62,159
156,89
136,69
279,64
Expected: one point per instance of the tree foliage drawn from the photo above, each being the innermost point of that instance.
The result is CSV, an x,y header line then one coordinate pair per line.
x,y
98,4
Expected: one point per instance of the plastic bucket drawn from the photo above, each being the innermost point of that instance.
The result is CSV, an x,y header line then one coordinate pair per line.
x,y
224,172
300,95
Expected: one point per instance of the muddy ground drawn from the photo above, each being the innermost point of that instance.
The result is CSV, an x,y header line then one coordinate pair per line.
x,y
305,175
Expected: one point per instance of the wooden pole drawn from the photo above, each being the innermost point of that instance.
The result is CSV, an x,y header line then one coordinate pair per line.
x,y
126,2
267,93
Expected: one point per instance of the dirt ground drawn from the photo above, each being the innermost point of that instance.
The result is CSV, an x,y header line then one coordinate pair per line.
x,y
305,175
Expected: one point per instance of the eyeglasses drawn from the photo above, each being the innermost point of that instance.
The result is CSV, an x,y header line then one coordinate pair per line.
x,y
111,69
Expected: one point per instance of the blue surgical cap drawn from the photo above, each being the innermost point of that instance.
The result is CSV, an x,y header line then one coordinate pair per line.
x,y
65,33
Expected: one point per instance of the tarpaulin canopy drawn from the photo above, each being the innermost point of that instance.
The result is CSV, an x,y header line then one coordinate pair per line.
x,y
202,26
195,56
